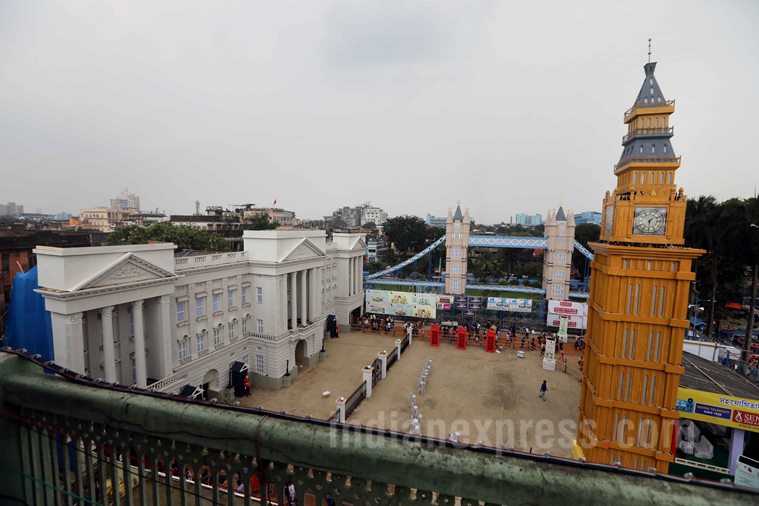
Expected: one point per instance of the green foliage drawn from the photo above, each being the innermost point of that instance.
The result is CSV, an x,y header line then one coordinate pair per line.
x,y
185,237
260,222
724,230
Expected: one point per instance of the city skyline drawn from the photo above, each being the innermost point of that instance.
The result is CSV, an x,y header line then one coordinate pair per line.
x,y
381,102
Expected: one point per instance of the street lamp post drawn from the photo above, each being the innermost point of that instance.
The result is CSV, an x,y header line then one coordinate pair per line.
x,y
751,305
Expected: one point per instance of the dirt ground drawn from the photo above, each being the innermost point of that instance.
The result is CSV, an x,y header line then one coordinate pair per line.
x,y
340,373
488,398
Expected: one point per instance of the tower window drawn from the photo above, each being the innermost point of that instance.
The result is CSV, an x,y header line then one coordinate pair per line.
x,y
665,148
653,148
642,178
661,177
652,92
645,100
640,150
651,81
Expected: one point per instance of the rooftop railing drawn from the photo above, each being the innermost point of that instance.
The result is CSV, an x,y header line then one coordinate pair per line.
x,y
652,103
190,262
67,439
647,159
644,132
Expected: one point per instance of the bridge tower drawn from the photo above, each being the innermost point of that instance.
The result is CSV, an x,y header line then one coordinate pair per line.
x,y
638,304
456,251
560,231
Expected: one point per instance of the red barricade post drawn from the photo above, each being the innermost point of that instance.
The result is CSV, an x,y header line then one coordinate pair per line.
x,y
490,341
461,339
435,335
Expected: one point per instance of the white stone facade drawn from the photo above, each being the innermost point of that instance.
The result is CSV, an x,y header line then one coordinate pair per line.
x,y
560,231
136,314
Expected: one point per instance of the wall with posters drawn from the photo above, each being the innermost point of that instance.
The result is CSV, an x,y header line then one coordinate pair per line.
x,y
577,312
513,305
418,305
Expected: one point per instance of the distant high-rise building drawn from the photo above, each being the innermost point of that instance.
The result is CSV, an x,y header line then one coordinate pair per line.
x,y
593,217
528,220
436,221
125,200
11,209
359,215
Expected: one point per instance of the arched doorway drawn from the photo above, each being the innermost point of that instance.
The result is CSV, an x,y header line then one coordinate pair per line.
x,y
211,384
300,353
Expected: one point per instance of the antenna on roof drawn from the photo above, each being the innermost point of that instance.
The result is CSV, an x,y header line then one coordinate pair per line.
x,y
649,50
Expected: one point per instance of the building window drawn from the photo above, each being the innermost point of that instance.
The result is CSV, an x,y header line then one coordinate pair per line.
x,y
259,363
200,306
260,326
181,311
456,269
640,149
231,330
216,302
201,341
259,295
244,295
665,148
455,284
244,325
231,298
653,148
216,335
182,349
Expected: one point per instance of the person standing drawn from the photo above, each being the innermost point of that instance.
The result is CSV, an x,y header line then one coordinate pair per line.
x,y
290,495
543,389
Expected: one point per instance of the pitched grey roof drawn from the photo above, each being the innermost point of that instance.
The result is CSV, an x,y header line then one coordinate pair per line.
x,y
458,216
560,216
650,91
654,144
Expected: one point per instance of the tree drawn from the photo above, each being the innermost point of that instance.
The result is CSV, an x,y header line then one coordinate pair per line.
x,y
585,233
485,263
183,236
260,221
409,234
369,226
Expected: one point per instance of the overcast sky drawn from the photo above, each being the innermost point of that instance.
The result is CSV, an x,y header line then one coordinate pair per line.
x,y
507,107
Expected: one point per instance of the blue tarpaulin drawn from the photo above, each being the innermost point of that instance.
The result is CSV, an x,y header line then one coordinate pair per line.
x,y
28,323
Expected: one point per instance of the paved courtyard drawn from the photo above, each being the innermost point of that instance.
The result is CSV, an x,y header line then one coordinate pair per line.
x,y
340,373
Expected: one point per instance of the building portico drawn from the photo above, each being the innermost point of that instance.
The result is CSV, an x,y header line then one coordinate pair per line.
x,y
137,315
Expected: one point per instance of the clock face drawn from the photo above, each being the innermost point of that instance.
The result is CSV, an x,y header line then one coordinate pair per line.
x,y
650,220
609,219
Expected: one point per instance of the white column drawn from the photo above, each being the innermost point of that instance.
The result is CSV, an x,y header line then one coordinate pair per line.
x,y
303,293
350,277
163,341
383,360
75,343
109,354
367,372
139,343
319,288
340,405
282,306
398,348
359,273
294,299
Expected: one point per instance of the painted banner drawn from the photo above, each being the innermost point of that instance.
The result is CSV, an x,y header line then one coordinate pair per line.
x,y
513,305
444,302
567,308
573,322
419,305
718,409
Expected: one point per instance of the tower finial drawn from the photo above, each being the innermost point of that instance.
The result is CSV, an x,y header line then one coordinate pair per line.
x,y
649,50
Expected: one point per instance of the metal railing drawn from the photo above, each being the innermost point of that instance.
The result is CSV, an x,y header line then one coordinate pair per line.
x,y
643,132
68,439
647,159
657,103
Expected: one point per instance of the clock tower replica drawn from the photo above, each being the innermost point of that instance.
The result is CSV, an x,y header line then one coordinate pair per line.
x,y
637,309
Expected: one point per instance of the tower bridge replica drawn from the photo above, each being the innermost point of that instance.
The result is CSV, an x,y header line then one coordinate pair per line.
x,y
558,243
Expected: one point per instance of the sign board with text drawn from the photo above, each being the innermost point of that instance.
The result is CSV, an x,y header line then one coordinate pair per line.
x,y
718,409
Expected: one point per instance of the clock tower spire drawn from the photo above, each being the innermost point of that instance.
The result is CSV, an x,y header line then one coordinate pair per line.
x,y
638,303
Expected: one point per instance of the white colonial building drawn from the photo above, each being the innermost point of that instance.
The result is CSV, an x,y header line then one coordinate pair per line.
x,y
138,315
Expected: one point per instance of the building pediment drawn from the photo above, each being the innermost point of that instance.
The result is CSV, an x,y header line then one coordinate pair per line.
x,y
359,244
304,250
126,270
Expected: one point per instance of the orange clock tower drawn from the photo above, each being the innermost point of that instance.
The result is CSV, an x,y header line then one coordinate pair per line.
x,y
638,304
